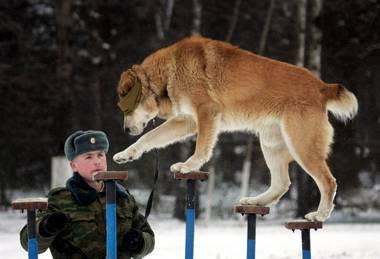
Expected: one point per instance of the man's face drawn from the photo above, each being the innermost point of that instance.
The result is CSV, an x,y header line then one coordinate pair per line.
x,y
89,163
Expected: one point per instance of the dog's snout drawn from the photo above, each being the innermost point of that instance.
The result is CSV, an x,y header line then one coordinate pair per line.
x,y
126,130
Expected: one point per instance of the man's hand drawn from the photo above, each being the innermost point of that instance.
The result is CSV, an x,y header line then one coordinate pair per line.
x,y
53,224
133,241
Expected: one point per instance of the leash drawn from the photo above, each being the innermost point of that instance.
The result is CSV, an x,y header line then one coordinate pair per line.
x,y
150,200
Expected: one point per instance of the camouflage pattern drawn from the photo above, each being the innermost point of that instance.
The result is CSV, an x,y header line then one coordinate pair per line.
x,y
85,235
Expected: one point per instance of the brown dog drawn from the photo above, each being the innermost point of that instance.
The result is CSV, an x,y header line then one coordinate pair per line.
x,y
204,87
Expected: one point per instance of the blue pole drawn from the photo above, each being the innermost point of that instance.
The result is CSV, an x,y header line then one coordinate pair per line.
x,y
190,219
32,240
305,233
251,236
111,220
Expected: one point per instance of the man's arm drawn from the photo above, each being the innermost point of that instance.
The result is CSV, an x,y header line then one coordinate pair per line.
x,y
43,242
46,232
139,240
141,224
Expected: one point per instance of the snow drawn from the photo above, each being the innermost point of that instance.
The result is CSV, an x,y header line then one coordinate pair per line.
x,y
226,239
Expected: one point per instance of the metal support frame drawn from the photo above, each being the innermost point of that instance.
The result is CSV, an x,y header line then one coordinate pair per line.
x,y
251,212
305,227
31,205
190,207
109,178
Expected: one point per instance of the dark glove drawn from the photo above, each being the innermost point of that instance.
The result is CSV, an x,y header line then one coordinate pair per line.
x,y
133,242
53,224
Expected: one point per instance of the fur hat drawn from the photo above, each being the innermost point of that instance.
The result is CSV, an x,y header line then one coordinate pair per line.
x,y
85,141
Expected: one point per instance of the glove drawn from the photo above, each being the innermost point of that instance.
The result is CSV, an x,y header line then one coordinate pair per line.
x,y
133,242
53,224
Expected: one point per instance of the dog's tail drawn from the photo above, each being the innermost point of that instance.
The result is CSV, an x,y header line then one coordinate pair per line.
x,y
340,101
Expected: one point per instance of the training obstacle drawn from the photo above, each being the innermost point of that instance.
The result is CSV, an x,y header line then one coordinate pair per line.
x,y
191,178
305,227
31,205
251,212
109,178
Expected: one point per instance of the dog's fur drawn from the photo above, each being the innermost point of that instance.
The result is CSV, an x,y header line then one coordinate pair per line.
x,y
202,86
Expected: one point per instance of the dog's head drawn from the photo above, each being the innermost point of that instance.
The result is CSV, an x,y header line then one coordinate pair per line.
x,y
136,100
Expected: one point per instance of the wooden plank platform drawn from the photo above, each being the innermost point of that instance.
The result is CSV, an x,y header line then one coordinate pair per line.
x,y
195,175
110,175
251,209
303,224
30,204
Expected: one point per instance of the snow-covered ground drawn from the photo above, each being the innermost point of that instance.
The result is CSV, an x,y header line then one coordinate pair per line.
x,y
226,239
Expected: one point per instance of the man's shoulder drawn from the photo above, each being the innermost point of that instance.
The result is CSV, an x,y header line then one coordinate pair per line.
x,y
59,191
60,197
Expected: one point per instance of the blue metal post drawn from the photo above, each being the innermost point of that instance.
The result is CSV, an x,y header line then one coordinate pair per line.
x,y
251,236
32,240
190,218
305,233
111,220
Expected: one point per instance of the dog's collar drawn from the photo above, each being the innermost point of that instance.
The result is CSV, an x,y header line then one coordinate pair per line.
x,y
129,102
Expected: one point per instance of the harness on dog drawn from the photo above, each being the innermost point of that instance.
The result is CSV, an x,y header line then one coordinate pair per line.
x,y
129,102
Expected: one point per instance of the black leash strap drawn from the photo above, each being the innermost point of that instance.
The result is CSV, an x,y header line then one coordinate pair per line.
x,y
150,200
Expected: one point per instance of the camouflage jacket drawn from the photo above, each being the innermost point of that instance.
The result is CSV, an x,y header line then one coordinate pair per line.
x,y
85,235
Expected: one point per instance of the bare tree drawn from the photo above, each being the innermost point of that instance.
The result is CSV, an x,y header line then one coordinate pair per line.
x,y
234,21
313,37
163,17
168,14
64,67
301,14
197,18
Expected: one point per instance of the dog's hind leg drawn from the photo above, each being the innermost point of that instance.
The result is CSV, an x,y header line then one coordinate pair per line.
x,y
208,126
277,157
308,136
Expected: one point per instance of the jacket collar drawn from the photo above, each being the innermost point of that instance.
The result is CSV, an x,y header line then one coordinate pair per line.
x,y
84,194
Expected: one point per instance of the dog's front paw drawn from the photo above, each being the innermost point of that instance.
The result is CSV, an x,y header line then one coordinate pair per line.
x,y
251,201
181,168
316,216
130,154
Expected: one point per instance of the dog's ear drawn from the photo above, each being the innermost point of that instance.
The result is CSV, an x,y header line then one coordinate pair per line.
x,y
126,82
141,74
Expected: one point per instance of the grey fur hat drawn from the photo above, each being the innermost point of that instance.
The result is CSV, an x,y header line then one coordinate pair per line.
x,y
84,141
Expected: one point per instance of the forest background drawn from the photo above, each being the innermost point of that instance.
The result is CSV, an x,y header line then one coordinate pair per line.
x,y
60,62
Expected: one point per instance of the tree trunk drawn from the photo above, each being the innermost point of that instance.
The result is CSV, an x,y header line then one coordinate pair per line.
x,y
313,37
301,12
163,21
234,21
64,67
159,25
264,34
197,18
307,192
104,69
168,14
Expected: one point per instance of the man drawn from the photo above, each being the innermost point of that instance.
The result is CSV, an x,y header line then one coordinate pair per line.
x,y
74,226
